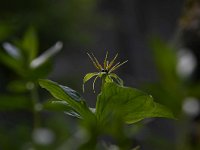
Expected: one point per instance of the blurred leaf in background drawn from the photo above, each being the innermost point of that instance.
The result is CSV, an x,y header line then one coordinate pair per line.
x,y
21,95
175,87
27,29
27,58
168,90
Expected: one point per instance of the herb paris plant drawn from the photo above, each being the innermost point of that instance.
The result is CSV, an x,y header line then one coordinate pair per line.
x,y
114,101
105,70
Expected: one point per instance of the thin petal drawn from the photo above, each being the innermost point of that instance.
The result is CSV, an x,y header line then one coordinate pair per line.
x,y
93,84
117,79
117,66
112,62
97,62
114,67
88,77
105,60
94,63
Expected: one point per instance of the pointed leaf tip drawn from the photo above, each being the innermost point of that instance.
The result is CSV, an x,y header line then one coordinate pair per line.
x,y
64,93
127,103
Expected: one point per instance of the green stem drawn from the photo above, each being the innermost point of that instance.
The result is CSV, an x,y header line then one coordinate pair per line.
x,y
35,103
103,78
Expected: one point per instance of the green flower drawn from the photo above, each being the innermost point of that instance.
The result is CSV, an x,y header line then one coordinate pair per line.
x,y
104,71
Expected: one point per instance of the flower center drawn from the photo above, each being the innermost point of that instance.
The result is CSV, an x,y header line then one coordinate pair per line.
x,y
104,70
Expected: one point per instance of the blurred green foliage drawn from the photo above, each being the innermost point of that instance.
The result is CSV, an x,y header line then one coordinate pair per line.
x,y
168,90
22,92
27,123
174,91
26,29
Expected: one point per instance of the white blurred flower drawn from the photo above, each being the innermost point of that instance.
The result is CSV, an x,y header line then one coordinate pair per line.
x,y
191,106
43,136
186,63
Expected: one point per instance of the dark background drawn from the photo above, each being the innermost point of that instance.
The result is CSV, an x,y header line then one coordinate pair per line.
x,y
117,26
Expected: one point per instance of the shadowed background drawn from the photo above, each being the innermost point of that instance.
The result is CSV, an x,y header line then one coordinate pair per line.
x,y
127,27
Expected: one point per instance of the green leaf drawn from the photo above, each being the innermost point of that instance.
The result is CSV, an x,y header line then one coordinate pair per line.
x,y
64,93
128,104
117,79
108,79
166,60
57,105
89,76
169,89
30,43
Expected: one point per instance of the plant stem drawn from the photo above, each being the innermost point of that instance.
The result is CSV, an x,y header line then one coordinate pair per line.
x,y
103,81
35,101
